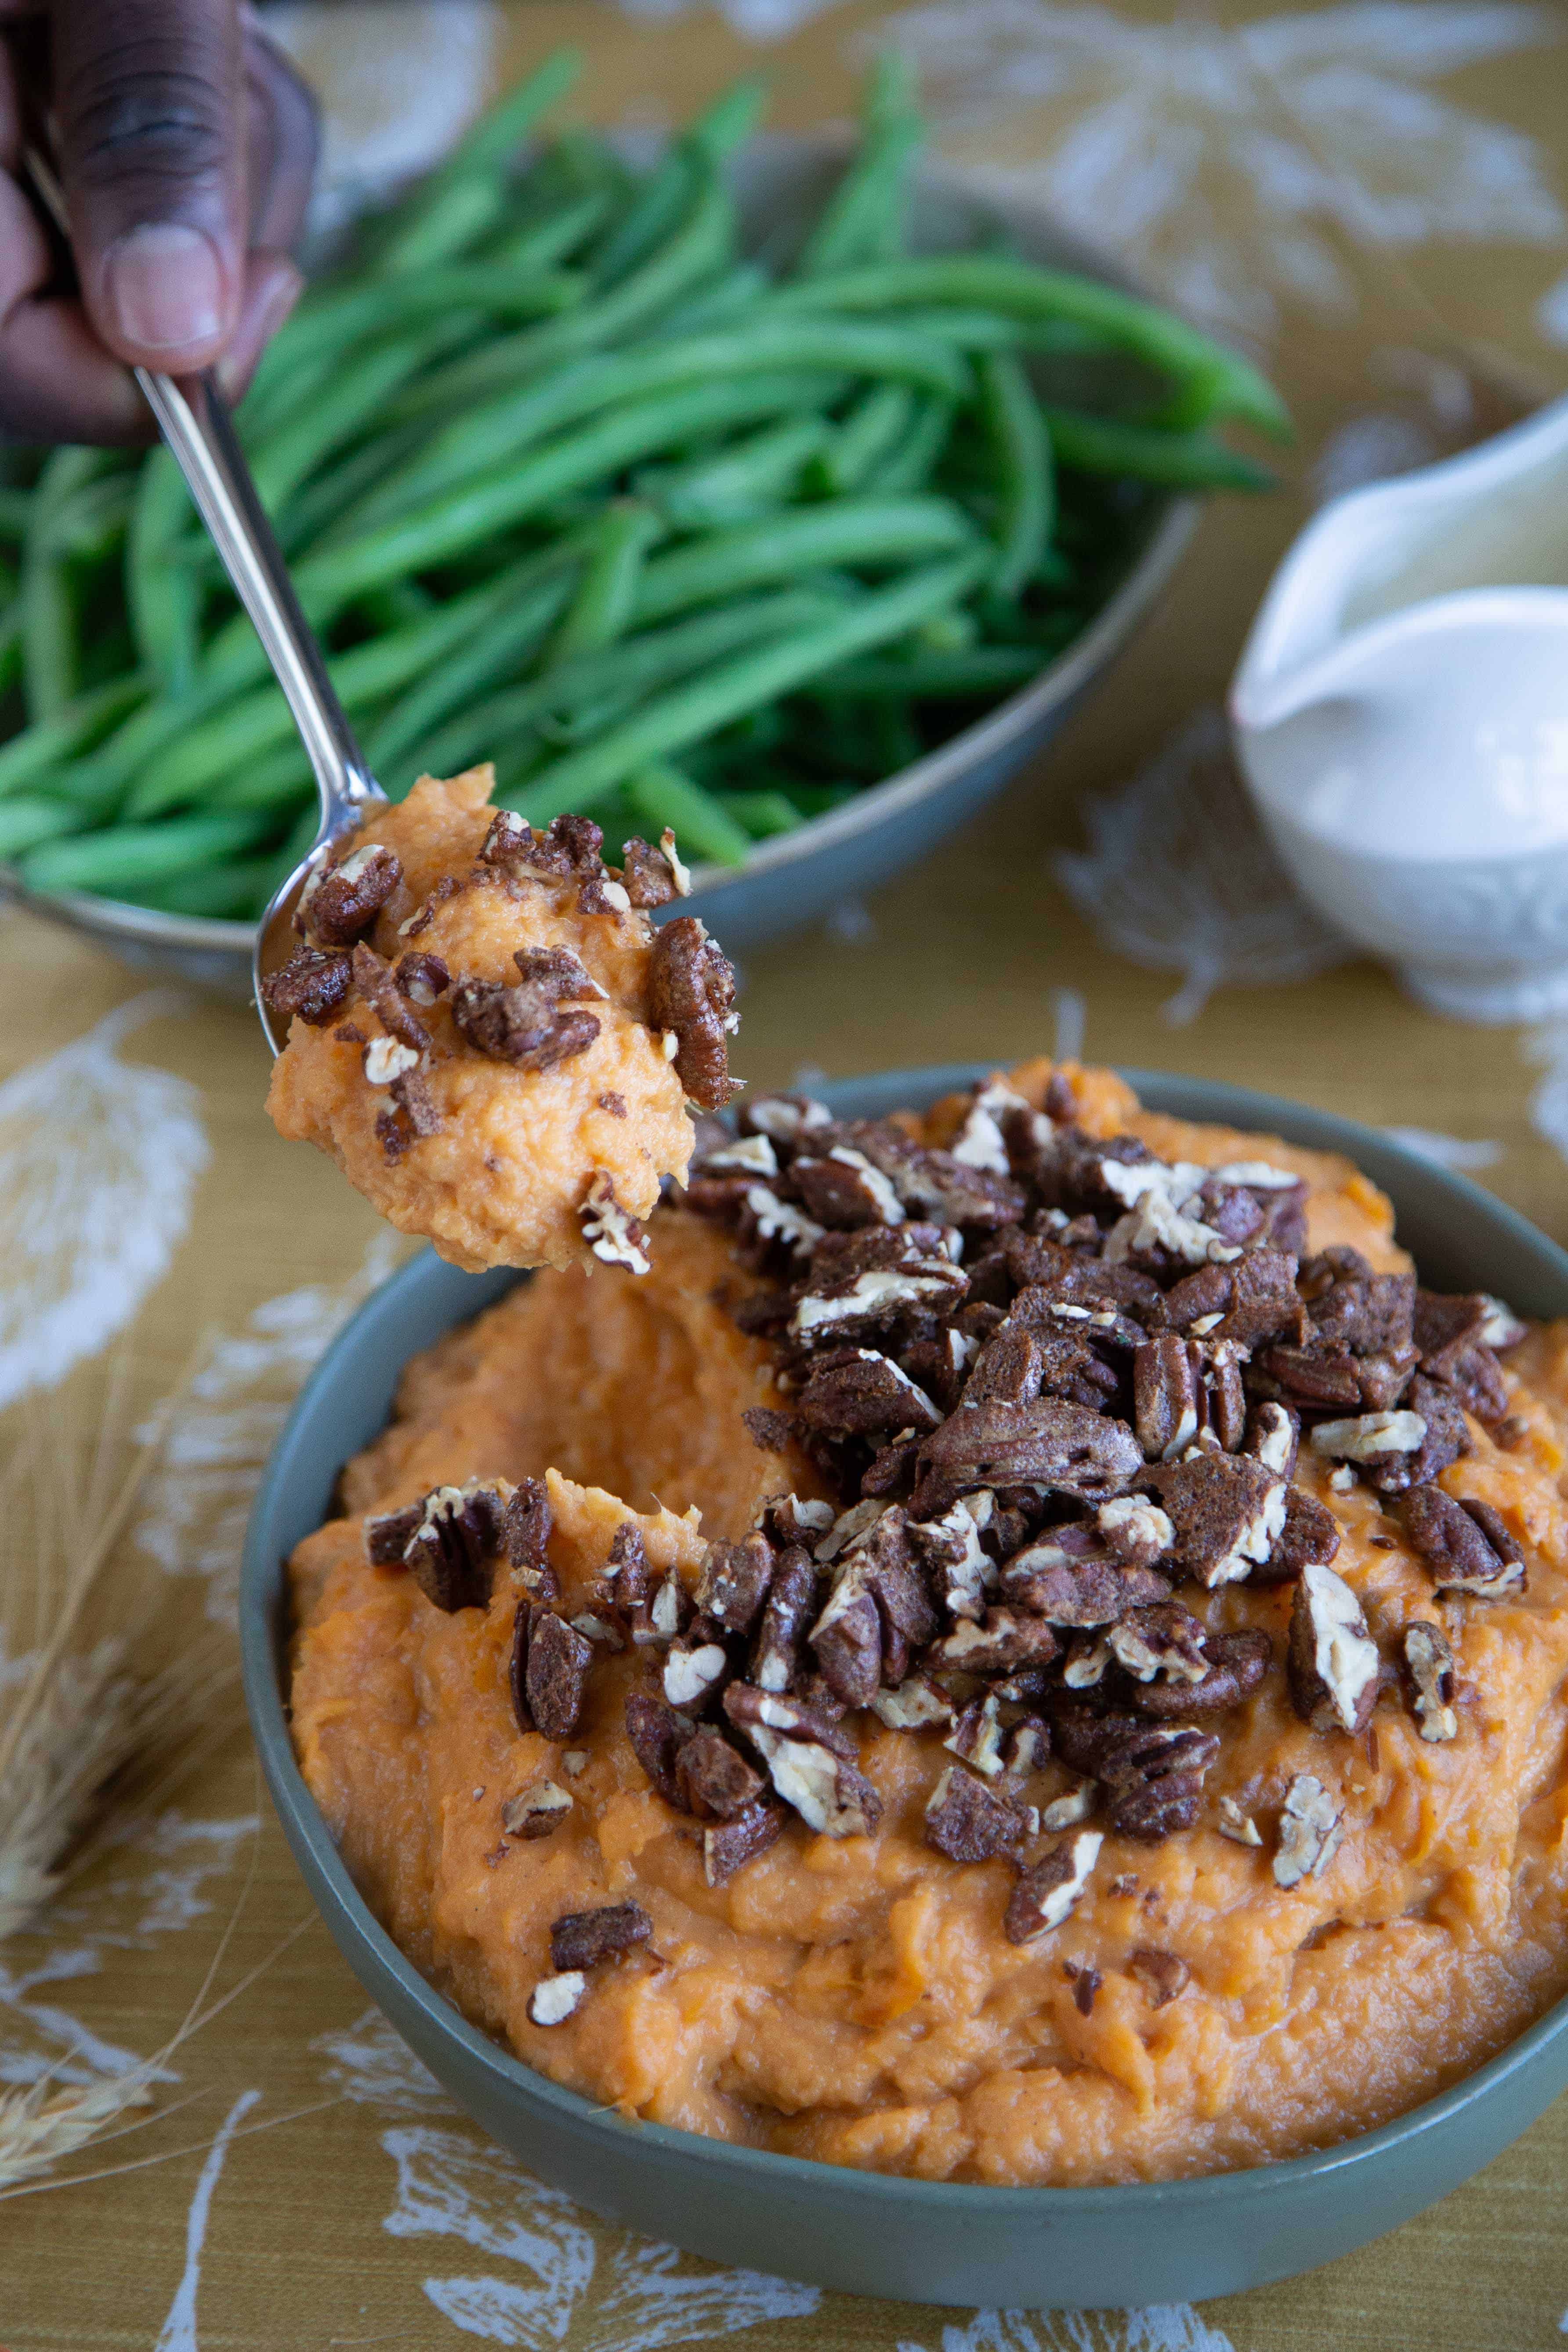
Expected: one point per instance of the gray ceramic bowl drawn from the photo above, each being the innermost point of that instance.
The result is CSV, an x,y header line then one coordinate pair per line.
x,y
780,181
863,2232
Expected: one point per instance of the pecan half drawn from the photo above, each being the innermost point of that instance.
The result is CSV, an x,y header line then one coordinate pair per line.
x,y
691,997
652,877
1467,1546
1237,1665
1165,1397
1334,1661
451,1552
858,1393
1052,1447
339,902
583,1939
1050,1890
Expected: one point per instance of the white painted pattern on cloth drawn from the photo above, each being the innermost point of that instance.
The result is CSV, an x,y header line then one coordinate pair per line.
x,y
98,1162
1157,2327
754,20
178,2332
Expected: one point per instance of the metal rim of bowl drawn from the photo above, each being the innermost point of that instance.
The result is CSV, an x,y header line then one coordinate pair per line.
x,y
1057,683
1247,1108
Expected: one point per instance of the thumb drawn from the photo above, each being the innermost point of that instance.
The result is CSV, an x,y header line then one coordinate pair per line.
x,y
149,98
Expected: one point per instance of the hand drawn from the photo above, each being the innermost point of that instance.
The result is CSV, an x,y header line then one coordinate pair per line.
x,y
186,148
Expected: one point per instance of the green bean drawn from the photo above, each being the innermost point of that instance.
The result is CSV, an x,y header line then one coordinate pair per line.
x,y
16,514
213,893
161,590
283,776
621,677
606,593
543,244
430,225
29,756
366,674
1192,461
763,814
744,684
850,532
659,795
493,502
880,420
910,466
124,854
498,288
717,305
957,676
280,462
32,818
1022,459
502,429
667,189
320,506
1220,381
862,219
51,655
743,479
700,246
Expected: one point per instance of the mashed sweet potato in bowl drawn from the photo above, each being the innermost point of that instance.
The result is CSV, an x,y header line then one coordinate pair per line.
x,y
1104,1842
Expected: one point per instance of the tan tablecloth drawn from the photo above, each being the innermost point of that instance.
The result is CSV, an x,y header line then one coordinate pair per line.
x,y
346,2203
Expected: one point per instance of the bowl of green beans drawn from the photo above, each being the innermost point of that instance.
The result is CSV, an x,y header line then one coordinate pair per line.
x,y
776,490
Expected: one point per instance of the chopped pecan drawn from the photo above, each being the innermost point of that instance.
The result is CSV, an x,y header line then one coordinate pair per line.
x,y
846,1640
770,1430
715,1777
1236,1823
657,1735
386,1535
1153,1772
914,1706
785,1119
1165,1397
790,1605
691,997
954,1559
936,1184
1228,1512
692,1672
970,1822
1467,1546
652,877
1165,1643
554,1998
1003,1641
1080,1584
1430,1679
610,1230
535,1811
858,1393
373,977
728,1846
1137,1530
876,1279
1334,1662
976,1735
1445,1440
451,1553
1274,1436
844,1190
1253,1298
807,1760
734,1583
1163,1976
1237,1665
525,1529
556,1674
582,1940
311,986
522,1024
1051,1889
1009,1370
1310,1828
339,902
1052,1447
421,978
1310,1532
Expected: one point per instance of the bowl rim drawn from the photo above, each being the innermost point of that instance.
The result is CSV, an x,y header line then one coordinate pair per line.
x,y
1054,685
511,2075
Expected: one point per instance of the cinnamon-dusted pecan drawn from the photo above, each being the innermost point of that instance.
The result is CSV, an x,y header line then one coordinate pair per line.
x,y
421,978
1274,1436
1051,1889
873,1280
715,1777
1052,1447
658,1736
976,1735
1003,1641
451,1553
373,977
693,1670
1253,1298
1228,1512
844,1190
535,1811
728,1846
1446,1439
1310,1532
846,1640
386,1534
1009,1370
554,1998
790,1607
785,1119
807,1760
1165,1397
1466,1545
525,1530
556,1674
1237,1665
1163,1976
734,1583
691,997
582,1940
1154,1773
311,986
970,1822
1310,1828
522,1024
1334,1661
1165,1643
339,902
609,1228
953,1558
884,1560
770,1430
915,1705
1068,1577
935,1185
1137,1531
1430,1679
858,1393
1225,1398
652,877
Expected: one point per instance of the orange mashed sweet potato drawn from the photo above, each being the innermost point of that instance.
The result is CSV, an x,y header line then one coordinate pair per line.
x,y
856,1998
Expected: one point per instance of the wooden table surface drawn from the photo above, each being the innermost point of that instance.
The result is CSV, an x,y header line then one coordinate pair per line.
x,y
296,2184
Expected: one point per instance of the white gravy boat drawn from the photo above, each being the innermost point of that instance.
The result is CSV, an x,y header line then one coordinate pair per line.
x,y
1401,715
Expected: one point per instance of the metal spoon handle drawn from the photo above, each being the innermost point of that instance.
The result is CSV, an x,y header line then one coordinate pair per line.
x,y
197,427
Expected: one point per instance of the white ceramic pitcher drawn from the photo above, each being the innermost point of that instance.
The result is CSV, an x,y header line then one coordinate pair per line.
x,y
1401,714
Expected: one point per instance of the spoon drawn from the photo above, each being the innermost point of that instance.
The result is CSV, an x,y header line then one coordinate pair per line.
x,y
198,431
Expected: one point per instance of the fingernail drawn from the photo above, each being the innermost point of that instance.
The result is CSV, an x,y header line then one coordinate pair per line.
x,y
164,286
268,305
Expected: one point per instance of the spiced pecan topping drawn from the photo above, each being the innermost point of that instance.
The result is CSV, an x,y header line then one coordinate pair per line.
x,y
728,1846
525,1531
970,1822
691,997
858,1393
652,877
693,1671
1237,1665
311,986
1310,1533
844,1189
610,1230
1055,1448
789,1608
1274,1436
535,1811
1068,1577
846,1640
915,1705
1467,1546
1228,1512
1165,1397
976,1735
1430,1679
1003,1641
657,1735
1310,1828
715,1777
554,1998
734,1583
341,901
807,1760
452,1548
556,1672
1153,1772
373,976
521,1024
421,978
583,1940
1333,1661
1050,1890
1163,1976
